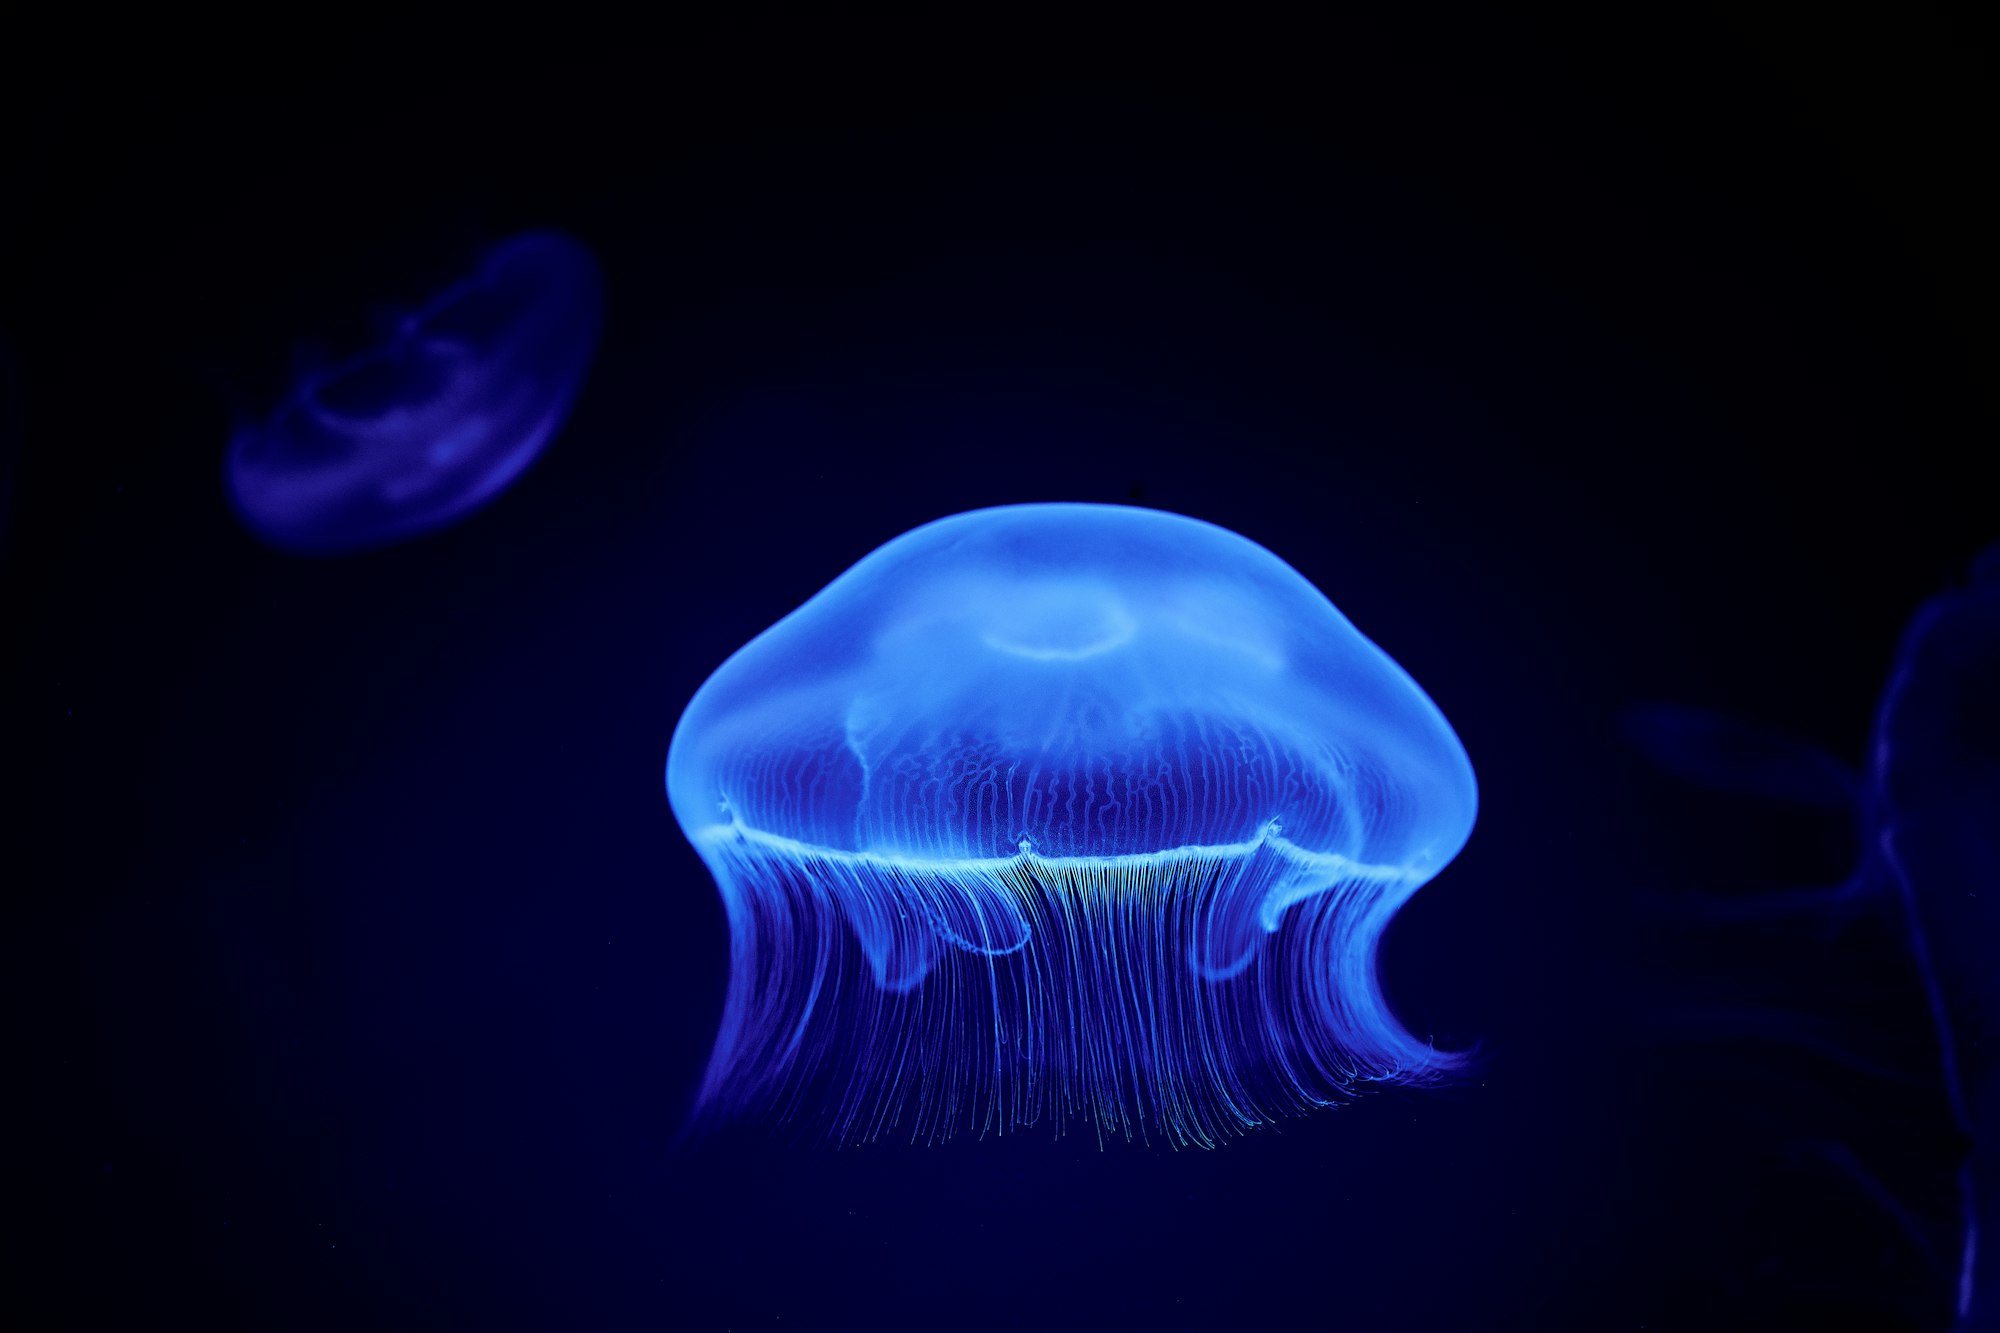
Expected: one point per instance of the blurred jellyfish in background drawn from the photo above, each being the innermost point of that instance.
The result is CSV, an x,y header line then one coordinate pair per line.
x,y
1852,1032
1936,825
1063,811
435,420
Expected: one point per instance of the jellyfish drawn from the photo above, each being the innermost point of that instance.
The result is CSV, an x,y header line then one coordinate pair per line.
x,y
1063,811
1865,1011
1935,824
436,419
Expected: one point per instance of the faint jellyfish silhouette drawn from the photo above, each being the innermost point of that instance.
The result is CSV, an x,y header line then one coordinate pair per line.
x,y
1936,822
434,421
1063,810
1867,1013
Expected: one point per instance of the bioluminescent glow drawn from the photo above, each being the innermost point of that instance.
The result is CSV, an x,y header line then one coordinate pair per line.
x,y
1841,980
1056,811
434,421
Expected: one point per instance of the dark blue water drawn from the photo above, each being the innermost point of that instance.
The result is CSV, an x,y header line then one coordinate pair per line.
x,y
357,971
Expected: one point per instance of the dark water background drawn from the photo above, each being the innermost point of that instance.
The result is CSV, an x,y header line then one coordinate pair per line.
x,y
358,974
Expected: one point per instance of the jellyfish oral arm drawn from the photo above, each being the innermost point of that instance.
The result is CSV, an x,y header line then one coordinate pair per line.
x,y
1192,992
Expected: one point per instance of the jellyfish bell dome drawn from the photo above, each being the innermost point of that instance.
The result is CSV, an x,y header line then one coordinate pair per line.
x,y
1114,801
1082,680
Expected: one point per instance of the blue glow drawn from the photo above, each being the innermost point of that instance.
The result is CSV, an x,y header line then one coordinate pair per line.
x,y
437,419
1925,811
1935,823
1063,810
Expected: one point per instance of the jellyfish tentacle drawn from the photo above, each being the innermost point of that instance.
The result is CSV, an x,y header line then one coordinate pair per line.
x,y
1717,750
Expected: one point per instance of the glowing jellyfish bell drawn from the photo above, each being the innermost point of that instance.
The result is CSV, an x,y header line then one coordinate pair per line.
x,y
436,420
1057,810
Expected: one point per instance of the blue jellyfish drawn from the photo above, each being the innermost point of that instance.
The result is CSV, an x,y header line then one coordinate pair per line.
x,y
1868,1010
1063,811
434,421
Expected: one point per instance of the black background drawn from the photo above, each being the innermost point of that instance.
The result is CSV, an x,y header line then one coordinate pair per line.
x,y
358,973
